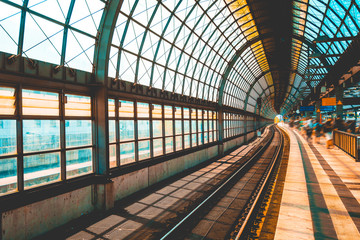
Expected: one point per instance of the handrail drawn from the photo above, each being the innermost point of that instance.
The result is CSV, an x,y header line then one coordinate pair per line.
x,y
347,142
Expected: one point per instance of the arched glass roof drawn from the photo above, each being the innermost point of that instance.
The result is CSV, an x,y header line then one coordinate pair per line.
x,y
209,50
323,29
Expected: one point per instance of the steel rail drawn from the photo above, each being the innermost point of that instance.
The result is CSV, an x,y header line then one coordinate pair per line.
x,y
244,226
221,187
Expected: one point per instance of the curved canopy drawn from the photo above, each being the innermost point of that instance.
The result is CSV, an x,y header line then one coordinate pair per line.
x,y
220,51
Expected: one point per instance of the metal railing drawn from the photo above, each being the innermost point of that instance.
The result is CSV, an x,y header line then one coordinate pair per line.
x,y
347,142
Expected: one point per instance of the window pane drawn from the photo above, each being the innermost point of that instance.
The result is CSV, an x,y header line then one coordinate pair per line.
x,y
187,141
157,128
41,169
7,137
112,131
169,143
193,113
157,111
127,153
210,137
186,126
7,101
111,107
143,129
193,126
78,106
158,147
200,126
126,130
206,140
178,112
178,142
144,149
143,110
205,125
78,133
178,127
78,162
200,136
168,111
126,109
8,175
40,103
168,127
194,140
112,155
41,135
186,113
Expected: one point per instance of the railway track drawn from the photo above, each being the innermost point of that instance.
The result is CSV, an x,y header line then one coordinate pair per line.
x,y
229,211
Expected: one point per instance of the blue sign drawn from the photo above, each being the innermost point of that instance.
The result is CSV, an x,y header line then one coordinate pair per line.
x,y
327,108
307,108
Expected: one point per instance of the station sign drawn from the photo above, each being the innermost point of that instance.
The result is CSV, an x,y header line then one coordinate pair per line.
x,y
307,108
328,101
327,108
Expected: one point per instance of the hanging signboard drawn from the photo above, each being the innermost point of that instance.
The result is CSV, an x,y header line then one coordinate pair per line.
x,y
307,108
327,108
328,101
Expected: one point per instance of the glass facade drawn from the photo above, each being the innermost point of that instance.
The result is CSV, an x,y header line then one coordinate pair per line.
x,y
148,130
47,154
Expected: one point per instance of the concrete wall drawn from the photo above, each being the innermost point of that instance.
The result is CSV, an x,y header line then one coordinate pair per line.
x,y
34,219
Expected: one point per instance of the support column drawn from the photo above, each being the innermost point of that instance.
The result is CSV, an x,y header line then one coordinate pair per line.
x,y
339,94
103,193
221,132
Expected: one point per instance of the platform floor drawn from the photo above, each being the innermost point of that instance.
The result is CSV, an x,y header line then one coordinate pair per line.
x,y
321,193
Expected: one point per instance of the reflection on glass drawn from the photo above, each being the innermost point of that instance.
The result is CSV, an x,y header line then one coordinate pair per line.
x,y
112,131
194,140
8,175
186,141
178,141
7,101
169,145
158,147
111,107
186,126
78,106
168,127
78,162
206,140
186,113
143,129
157,128
178,112
144,149
126,128
193,126
200,137
112,156
143,110
41,169
157,111
78,133
41,135
178,127
126,108
40,103
168,111
127,153
7,137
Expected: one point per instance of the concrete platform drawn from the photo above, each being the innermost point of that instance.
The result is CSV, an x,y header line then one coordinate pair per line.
x,y
321,193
